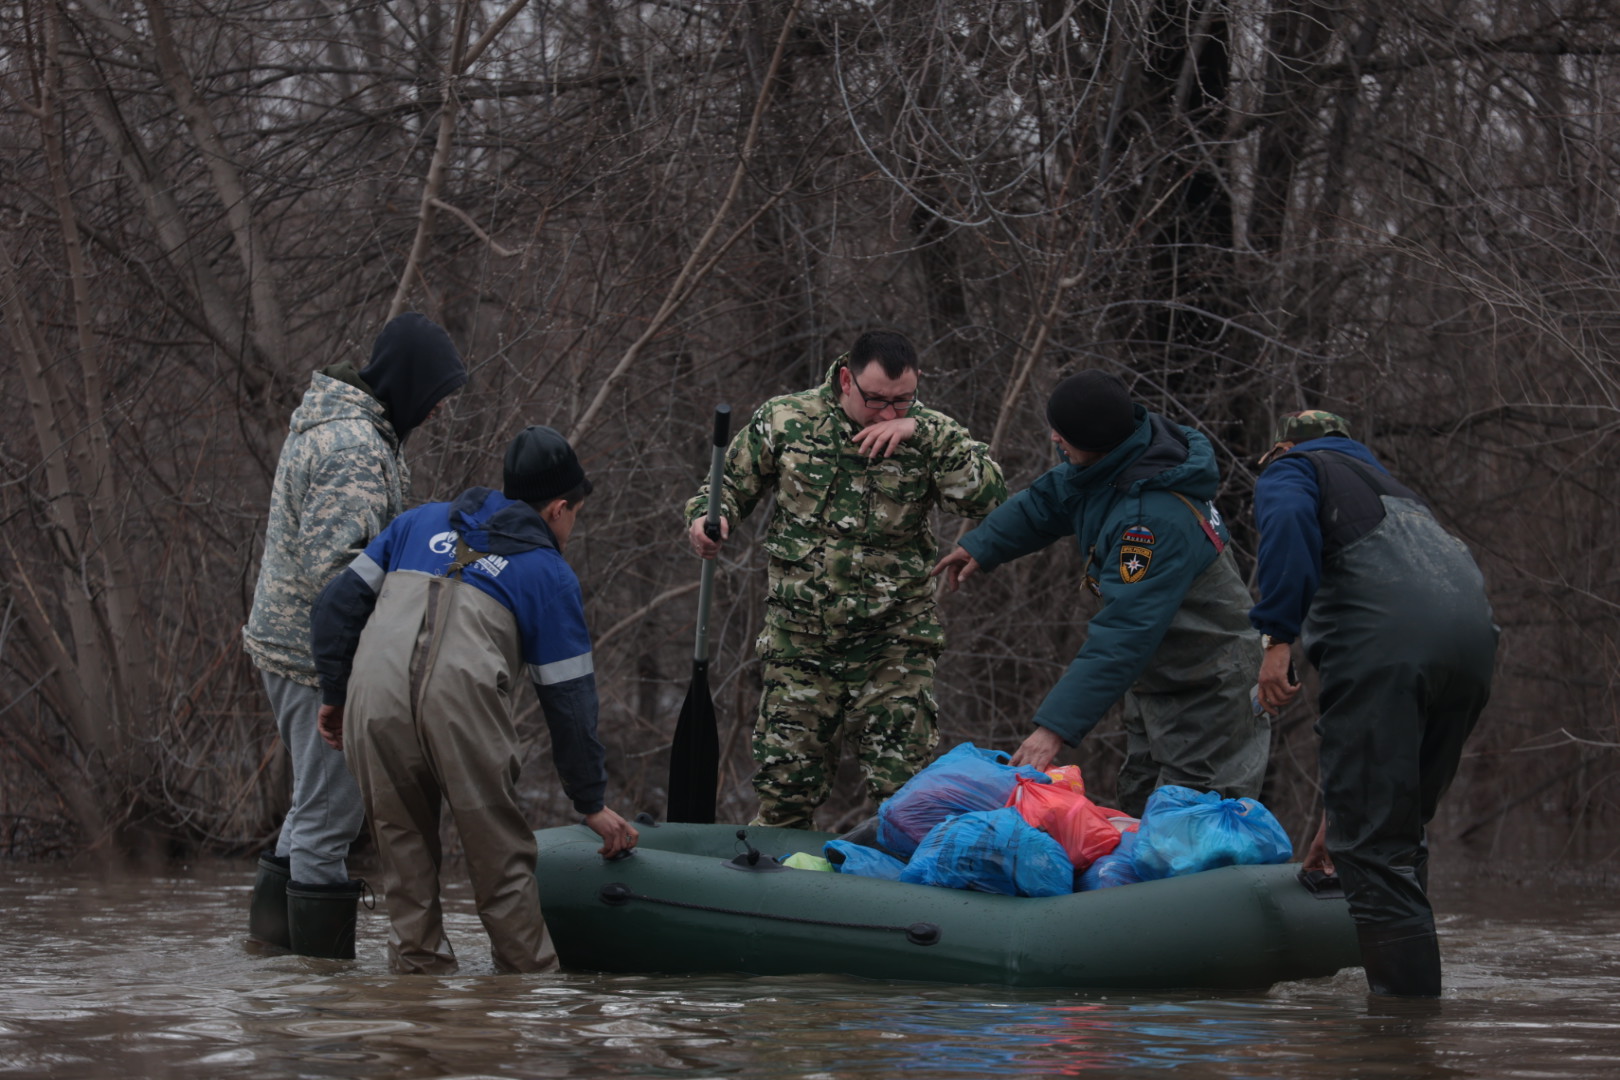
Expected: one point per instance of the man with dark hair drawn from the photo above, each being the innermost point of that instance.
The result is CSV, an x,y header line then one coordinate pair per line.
x,y
851,634
421,644
1392,612
1171,637
340,479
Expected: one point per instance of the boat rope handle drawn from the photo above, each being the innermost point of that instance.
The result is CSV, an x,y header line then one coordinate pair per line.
x,y
617,894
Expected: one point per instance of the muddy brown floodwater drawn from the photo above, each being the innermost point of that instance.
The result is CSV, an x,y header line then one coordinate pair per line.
x,y
147,975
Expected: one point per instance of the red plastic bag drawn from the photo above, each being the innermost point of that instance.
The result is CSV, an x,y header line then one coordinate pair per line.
x,y
1086,831
1069,776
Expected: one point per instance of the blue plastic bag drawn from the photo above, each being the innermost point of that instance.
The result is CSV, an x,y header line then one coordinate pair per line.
x,y
1112,870
962,781
1185,831
994,851
862,861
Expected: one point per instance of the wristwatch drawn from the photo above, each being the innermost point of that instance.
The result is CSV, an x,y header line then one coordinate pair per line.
x,y
1267,641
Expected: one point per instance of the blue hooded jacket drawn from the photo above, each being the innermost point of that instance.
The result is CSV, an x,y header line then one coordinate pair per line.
x,y
1144,546
523,570
1289,567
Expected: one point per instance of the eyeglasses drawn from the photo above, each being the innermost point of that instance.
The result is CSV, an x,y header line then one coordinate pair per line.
x,y
899,405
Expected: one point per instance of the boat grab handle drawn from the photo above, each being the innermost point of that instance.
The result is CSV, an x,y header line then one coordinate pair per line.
x,y
617,894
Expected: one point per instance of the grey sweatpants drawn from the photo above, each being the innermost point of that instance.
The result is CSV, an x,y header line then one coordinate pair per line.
x,y
327,811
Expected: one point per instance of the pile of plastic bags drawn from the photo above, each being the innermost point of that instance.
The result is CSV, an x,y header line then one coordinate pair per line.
x,y
972,821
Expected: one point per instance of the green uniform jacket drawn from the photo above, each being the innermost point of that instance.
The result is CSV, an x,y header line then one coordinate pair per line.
x,y
849,541
1144,547
341,477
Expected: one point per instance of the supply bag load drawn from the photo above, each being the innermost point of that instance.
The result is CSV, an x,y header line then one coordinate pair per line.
x,y
993,851
1184,831
962,781
972,821
1085,830
1112,870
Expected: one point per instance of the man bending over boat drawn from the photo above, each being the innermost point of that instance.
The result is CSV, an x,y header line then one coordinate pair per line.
x,y
421,644
1171,637
851,634
1392,612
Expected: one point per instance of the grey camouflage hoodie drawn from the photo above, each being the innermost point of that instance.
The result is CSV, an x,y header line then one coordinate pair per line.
x,y
340,479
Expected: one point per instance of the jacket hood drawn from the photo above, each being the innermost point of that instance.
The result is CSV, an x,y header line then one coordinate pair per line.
x,y
1158,455
329,399
490,522
413,367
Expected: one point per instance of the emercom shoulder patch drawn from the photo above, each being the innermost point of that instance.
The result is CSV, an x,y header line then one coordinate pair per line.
x,y
1138,534
1133,562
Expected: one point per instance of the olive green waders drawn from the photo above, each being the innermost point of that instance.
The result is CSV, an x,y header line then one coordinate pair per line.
x,y
429,718
1188,720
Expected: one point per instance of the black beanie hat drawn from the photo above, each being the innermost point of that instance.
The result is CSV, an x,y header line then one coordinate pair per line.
x,y
1092,411
540,465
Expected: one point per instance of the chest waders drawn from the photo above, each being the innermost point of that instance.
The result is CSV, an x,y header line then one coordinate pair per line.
x,y
1187,719
431,708
1401,634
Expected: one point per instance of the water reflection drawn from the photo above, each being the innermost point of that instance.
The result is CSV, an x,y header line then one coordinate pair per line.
x,y
149,976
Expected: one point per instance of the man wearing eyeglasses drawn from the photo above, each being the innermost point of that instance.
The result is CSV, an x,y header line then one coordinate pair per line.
x,y
851,634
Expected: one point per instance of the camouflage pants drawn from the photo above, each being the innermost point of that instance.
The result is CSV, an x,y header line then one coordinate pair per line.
x,y
875,693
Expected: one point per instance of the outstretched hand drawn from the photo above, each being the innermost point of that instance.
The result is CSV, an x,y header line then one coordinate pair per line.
x,y
617,834
885,436
1039,749
957,567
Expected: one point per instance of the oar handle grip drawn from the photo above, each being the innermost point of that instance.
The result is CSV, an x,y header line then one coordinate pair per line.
x,y
717,467
711,527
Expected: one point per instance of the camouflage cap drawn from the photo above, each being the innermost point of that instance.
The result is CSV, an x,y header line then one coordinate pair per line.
x,y
1297,427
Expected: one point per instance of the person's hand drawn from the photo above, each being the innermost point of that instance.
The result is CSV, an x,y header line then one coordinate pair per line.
x,y
329,722
885,436
701,544
1316,856
1276,690
617,834
1039,749
957,567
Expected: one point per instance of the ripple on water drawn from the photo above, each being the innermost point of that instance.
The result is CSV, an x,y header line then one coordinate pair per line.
x,y
149,977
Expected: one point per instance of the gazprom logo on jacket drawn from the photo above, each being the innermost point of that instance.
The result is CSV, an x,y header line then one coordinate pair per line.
x,y
443,543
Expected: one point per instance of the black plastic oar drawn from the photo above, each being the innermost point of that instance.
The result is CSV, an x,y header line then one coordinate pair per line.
x,y
694,758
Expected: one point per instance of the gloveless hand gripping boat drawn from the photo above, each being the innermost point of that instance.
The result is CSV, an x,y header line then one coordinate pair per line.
x,y
698,899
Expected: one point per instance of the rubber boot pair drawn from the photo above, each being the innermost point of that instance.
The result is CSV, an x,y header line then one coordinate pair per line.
x,y
310,920
1400,961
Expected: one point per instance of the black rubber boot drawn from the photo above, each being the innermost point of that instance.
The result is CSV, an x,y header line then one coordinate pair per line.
x,y
1401,961
267,911
321,918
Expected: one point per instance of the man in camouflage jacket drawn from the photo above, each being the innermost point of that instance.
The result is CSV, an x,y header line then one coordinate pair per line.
x,y
851,633
340,479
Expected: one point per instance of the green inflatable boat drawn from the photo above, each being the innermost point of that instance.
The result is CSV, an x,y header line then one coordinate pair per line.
x,y
697,899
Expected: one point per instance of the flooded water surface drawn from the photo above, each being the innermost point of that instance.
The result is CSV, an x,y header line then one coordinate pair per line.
x,y
148,975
